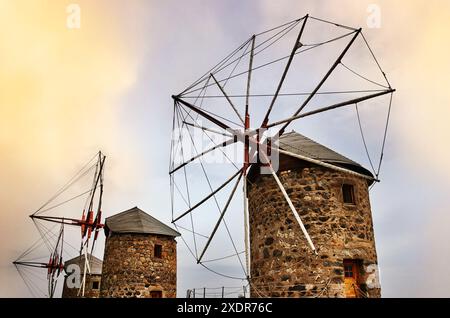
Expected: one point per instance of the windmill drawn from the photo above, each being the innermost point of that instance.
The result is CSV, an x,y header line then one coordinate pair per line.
x,y
54,265
247,101
59,212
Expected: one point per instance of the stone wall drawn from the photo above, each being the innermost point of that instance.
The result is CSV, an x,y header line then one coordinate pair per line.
x,y
131,270
89,291
282,263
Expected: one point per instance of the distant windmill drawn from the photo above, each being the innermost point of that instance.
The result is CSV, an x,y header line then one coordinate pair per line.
x,y
89,222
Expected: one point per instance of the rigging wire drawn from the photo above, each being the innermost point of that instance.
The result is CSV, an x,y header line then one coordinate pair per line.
x,y
333,23
363,77
291,94
222,258
288,28
385,134
376,60
280,26
32,288
209,137
224,60
260,44
46,240
364,140
278,60
68,200
217,204
285,32
186,229
54,235
189,200
220,274
33,247
67,185
236,65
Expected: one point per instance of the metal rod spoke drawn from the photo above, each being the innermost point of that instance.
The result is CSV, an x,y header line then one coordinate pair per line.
x,y
293,209
324,109
297,44
228,99
335,64
208,196
207,129
223,144
326,165
249,77
202,113
220,218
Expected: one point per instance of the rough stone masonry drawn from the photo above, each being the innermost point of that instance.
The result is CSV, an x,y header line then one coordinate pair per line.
x,y
282,263
130,268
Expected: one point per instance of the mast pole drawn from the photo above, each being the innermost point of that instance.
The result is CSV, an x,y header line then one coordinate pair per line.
x,y
246,162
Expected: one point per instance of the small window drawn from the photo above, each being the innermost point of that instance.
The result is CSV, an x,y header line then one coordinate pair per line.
x,y
348,193
156,294
158,251
96,285
348,270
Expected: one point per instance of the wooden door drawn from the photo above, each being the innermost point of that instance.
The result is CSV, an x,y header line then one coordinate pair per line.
x,y
351,278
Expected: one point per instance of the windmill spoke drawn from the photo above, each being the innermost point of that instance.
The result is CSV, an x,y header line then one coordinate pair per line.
x,y
297,45
224,64
217,205
225,155
202,113
217,67
249,75
384,135
188,194
228,99
273,61
222,214
207,129
223,144
324,109
293,209
246,227
335,64
208,196
324,164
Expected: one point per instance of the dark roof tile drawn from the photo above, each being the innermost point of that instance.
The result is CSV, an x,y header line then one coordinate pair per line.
x,y
302,145
94,263
137,221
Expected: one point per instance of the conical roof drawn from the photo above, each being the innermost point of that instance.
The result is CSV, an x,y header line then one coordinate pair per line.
x,y
301,145
137,221
94,263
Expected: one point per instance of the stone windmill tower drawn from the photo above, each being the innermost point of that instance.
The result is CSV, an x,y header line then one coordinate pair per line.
x,y
334,206
140,257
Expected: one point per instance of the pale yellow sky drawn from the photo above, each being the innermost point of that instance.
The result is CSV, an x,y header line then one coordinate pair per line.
x,y
59,92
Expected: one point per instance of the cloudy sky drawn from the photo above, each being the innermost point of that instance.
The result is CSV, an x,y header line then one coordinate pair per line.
x,y
65,93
